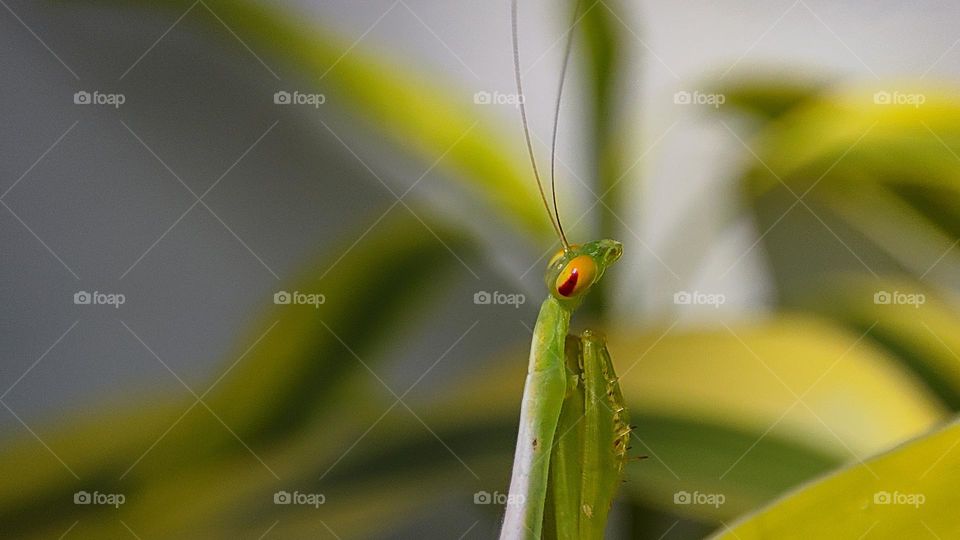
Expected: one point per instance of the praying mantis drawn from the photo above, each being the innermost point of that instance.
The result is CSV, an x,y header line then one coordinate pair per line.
x,y
574,426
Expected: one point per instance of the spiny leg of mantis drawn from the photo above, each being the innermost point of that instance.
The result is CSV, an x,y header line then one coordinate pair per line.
x,y
592,437
573,426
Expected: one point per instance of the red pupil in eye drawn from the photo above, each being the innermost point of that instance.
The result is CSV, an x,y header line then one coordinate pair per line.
x,y
566,289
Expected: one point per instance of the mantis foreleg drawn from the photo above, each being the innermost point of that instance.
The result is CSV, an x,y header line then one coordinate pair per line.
x,y
592,436
543,396
606,435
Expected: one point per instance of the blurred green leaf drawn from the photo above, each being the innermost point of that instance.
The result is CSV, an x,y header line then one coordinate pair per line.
x,y
879,185
609,135
735,392
894,495
768,95
924,335
276,385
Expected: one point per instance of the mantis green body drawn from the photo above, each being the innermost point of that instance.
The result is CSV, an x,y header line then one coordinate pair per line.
x,y
574,430
571,445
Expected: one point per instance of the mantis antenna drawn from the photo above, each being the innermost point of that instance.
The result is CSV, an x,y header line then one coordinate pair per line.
x,y
556,122
526,129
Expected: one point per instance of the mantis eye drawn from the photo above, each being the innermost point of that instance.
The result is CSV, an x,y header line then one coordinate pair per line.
x,y
576,276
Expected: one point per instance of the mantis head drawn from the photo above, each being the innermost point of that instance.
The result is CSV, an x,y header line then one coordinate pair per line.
x,y
573,271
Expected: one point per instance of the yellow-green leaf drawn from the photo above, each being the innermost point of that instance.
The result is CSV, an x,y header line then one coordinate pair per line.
x,y
908,492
